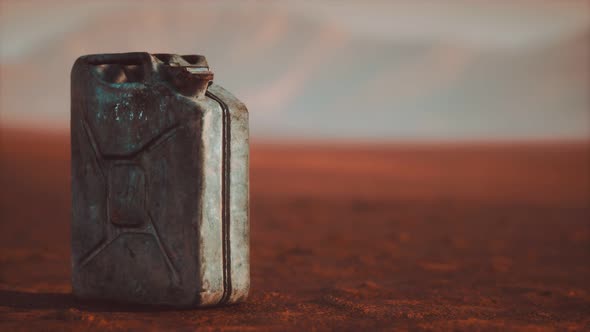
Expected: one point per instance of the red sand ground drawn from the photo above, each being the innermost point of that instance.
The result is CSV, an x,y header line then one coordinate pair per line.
x,y
486,237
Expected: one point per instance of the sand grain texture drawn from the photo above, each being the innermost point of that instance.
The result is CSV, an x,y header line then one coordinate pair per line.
x,y
468,237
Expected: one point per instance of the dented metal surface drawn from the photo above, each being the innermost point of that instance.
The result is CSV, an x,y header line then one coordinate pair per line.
x,y
159,182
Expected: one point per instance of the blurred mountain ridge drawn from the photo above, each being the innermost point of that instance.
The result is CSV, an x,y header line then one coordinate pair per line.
x,y
329,70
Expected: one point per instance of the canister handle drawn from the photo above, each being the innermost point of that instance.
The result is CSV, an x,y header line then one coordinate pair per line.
x,y
142,59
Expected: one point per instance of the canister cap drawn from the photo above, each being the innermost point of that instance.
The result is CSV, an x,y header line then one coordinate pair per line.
x,y
188,74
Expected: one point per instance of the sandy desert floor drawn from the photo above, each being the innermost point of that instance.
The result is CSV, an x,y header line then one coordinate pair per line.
x,y
469,237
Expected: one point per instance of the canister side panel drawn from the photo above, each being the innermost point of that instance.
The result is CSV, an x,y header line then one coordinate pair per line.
x,y
209,224
238,187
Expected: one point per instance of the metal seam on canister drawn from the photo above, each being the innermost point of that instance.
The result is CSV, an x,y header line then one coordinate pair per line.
x,y
225,214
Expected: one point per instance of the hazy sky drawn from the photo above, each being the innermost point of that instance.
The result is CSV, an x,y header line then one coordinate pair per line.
x,y
377,70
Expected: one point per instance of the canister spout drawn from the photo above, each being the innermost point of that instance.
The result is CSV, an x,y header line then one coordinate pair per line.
x,y
188,74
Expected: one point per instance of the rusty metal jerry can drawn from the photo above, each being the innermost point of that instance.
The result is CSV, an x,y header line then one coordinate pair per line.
x,y
159,182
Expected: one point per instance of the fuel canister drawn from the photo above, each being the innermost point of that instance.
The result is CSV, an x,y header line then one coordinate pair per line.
x,y
159,182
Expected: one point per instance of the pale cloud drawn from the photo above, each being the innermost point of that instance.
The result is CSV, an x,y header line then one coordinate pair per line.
x,y
493,25
280,92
